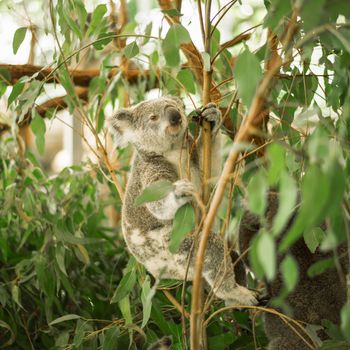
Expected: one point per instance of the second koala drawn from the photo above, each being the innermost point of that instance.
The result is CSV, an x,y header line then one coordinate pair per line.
x,y
158,130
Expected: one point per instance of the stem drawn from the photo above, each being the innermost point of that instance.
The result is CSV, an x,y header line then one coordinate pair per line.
x,y
196,309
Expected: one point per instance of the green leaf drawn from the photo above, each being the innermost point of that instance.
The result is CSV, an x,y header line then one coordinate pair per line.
x,y
154,192
79,333
3,88
16,90
3,324
96,18
175,36
39,128
267,254
276,12
148,32
72,24
102,40
315,190
125,286
15,292
124,306
286,203
290,272
186,78
111,338
44,275
320,266
18,38
183,224
131,50
146,298
64,318
311,13
322,190
60,254
172,12
257,189
277,162
247,72
313,238
345,320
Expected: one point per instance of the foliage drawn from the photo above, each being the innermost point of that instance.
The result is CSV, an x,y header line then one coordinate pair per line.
x,y
66,279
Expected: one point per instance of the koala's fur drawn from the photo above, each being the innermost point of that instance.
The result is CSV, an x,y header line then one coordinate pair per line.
x,y
313,299
164,343
158,130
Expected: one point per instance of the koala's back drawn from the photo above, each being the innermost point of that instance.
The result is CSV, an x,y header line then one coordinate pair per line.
x,y
313,299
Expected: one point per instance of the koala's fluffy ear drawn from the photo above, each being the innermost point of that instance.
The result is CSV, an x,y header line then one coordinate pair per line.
x,y
120,125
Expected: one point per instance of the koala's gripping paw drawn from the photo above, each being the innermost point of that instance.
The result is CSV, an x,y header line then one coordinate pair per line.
x,y
212,114
184,191
243,296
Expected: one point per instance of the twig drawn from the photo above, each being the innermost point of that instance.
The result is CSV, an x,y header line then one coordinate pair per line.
x,y
177,305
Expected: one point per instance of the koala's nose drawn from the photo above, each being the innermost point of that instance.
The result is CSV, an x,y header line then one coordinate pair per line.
x,y
174,116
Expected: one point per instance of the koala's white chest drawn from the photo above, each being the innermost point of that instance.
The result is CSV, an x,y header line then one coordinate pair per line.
x,y
184,167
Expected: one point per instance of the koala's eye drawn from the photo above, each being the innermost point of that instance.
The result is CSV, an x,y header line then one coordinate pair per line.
x,y
154,117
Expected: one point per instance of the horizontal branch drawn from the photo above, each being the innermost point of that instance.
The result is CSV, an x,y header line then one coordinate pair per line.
x,y
80,77
57,103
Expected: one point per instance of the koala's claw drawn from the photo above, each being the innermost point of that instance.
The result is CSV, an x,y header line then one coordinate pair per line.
x,y
212,114
263,299
184,188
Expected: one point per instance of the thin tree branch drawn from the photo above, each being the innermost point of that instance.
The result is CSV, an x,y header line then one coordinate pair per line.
x,y
80,77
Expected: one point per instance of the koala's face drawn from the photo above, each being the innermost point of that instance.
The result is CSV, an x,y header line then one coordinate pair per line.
x,y
154,126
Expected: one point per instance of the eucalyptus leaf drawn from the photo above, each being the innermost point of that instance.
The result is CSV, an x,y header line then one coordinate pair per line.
x,y
290,272
18,38
257,193
64,318
96,18
183,224
266,251
125,286
247,73
154,192
146,298
131,50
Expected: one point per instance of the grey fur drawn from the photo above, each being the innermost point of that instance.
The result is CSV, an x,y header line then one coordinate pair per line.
x,y
162,154
164,343
313,299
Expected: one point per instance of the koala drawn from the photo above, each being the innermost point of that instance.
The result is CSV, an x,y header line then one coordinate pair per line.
x,y
313,299
158,130
164,343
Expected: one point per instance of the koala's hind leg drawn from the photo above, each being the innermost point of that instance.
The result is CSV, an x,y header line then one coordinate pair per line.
x,y
219,273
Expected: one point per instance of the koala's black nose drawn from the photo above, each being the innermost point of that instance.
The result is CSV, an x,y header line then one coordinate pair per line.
x,y
174,116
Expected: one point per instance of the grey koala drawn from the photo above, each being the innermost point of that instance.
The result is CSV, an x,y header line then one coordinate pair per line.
x,y
313,299
158,130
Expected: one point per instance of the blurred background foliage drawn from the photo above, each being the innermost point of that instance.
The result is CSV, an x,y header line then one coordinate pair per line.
x,y
66,278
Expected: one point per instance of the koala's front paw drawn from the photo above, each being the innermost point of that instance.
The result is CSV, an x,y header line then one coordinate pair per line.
x,y
212,114
243,296
184,191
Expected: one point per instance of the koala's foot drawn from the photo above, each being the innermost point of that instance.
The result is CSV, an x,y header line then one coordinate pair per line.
x,y
212,114
242,296
162,344
263,299
184,191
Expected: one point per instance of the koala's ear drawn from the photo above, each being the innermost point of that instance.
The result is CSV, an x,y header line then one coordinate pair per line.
x,y
121,127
